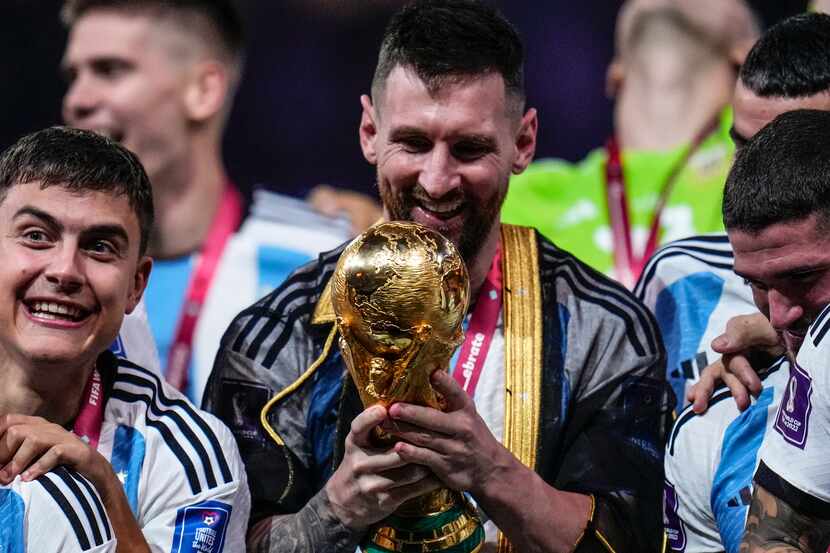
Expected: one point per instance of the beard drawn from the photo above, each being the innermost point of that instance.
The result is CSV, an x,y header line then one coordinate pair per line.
x,y
478,217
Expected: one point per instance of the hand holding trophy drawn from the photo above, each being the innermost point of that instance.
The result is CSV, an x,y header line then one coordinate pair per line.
x,y
400,292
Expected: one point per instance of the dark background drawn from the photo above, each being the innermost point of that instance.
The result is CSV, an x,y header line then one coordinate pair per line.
x,y
295,120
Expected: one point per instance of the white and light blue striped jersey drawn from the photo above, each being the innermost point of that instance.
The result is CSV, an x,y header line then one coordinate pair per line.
x,y
795,455
60,511
710,461
690,287
180,467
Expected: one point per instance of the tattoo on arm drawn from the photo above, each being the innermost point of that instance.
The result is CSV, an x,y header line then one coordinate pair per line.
x,y
773,526
312,528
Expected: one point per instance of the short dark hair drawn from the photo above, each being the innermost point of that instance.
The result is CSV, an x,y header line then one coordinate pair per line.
x,y
80,161
791,59
782,174
448,39
222,16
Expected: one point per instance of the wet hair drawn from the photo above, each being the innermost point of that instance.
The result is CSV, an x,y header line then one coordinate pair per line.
x,y
80,161
791,59
449,40
781,175
219,22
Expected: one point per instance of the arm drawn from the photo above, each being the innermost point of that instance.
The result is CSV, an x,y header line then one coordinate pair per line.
x,y
33,446
774,526
368,486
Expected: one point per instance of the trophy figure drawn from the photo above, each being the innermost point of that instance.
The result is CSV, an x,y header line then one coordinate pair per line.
x,y
400,292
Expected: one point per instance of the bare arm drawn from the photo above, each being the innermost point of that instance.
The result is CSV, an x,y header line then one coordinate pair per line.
x,y
773,526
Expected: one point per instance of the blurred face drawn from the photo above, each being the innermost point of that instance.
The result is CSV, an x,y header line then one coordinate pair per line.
x,y
788,267
444,159
70,272
126,82
753,112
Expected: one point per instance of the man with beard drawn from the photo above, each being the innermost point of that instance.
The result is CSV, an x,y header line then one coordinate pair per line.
x,y
559,442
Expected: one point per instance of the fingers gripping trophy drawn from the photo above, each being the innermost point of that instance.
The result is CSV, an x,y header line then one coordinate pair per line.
x,y
400,292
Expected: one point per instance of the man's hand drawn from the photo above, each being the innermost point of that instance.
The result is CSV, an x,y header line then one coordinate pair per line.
x,y
456,445
362,210
746,337
371,483
32,446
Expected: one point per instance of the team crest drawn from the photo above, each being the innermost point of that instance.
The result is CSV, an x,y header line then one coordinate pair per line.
x,y
793,418
201,528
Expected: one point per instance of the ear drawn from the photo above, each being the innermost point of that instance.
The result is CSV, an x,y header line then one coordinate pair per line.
x,y
614,77
368,130
526,141
206,90
140,279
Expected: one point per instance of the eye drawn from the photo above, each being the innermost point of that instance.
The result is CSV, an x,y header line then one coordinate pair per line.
x,y
36,237
755,284
414,144
469,151
110,69
102,248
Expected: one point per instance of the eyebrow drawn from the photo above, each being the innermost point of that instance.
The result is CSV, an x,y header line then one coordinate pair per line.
x,y
114,230
789,273
408,131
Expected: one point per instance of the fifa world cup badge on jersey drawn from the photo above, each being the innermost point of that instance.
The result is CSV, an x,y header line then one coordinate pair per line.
x,y
793,418
675,532
201,528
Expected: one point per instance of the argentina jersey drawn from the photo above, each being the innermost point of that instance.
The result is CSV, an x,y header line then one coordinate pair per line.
x,y
690,287
794,456
709,463
60,511
180,467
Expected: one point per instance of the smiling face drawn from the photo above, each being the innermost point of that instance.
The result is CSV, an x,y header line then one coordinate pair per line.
x,y
444,157
127,78
70,272
788,267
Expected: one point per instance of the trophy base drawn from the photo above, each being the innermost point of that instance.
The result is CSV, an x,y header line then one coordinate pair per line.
x,y
457,530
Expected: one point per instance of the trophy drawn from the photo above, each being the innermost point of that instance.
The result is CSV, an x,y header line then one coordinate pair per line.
x,y
400,292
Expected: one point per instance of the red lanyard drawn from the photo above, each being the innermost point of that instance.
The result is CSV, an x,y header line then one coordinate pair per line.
x,y
91,417
224,224
482,327
629,265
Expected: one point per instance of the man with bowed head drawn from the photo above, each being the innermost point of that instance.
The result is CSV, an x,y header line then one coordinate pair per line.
x,y
559,442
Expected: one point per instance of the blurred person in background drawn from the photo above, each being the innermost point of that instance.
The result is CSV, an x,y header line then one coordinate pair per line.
x,y
661,175
159,77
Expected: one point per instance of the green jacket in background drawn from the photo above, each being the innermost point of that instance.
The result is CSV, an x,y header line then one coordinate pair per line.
x,y
566,202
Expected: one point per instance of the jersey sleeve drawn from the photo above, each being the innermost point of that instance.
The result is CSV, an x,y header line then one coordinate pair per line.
x,y
692,455
65,513
214,519
794,454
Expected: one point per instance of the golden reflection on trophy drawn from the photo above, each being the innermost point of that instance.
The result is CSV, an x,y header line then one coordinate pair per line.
x,y
400,293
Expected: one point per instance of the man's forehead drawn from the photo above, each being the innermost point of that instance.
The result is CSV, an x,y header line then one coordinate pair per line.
x,y
753,112
82,207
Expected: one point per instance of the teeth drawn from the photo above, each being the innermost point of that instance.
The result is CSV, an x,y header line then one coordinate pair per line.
x,y
49,309
448,208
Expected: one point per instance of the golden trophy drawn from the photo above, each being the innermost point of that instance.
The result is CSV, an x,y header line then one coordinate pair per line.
x,y
400,292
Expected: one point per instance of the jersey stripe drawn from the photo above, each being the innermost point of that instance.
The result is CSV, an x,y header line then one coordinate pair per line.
x,y
819,328
165,408
722,257
626,307
102,514
66,507
63,474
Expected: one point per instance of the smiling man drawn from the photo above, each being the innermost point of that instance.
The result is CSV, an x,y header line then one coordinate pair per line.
x,y
559,441
76,211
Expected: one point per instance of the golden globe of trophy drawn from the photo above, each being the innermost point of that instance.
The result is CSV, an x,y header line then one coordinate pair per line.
x,y
400,292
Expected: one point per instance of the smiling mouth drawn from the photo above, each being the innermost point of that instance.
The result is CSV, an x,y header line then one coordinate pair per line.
x,y
443,211
54,311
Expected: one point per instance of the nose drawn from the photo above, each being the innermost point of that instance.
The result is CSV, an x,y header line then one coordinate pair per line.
x,y
783,312
65,271
438,174
81,100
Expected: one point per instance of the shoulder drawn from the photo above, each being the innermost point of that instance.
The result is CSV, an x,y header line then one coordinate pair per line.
x,y
200,445
63,498
261,330
595,303
709,252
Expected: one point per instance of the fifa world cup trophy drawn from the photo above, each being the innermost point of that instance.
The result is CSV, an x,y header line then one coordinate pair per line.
x,y
400,292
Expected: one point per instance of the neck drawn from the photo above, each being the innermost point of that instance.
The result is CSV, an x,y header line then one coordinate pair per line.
x,y
186,199
665,106
480,266
53,393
